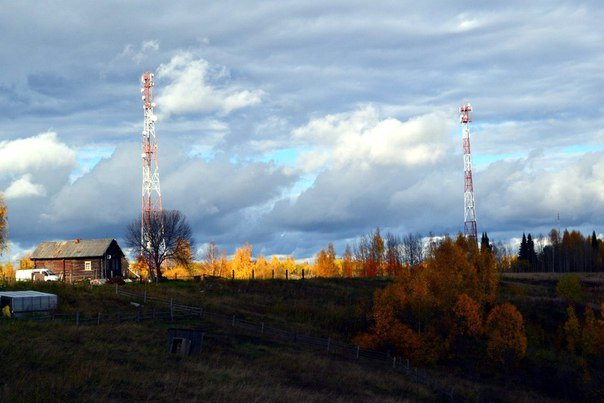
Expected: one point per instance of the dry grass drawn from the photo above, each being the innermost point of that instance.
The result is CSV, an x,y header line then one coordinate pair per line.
x,y
46,361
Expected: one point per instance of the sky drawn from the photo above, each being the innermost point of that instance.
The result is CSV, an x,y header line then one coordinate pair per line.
x,y
291,124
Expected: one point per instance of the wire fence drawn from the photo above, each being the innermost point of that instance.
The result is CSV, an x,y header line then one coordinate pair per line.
x,y
326,345
81,319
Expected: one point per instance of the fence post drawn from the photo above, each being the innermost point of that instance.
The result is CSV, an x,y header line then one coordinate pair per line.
x,y
286,274
98,319
302,274
233,323
252,274
328,343
78,318
273,274
233,274
358,348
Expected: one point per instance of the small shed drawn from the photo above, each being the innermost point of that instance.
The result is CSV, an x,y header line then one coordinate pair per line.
x,y
81,259
184,341
25,302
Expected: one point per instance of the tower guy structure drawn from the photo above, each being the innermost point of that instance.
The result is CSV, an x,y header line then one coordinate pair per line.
x,y
469,222
151,202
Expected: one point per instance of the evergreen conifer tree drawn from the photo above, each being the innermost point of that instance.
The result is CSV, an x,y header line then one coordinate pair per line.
x,y
523,252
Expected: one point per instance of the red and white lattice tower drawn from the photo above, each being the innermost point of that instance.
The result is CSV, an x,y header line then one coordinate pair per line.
x,y
151,206
469,222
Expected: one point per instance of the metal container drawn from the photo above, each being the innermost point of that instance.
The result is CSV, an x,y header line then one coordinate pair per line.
x,y
23,302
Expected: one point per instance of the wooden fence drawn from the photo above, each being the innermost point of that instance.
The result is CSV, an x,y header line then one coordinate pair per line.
x,y
327,345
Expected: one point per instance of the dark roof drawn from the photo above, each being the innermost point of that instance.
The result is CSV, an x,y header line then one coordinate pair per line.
x,y
72,249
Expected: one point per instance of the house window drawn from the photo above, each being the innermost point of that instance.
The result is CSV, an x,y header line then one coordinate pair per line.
x,y
88,265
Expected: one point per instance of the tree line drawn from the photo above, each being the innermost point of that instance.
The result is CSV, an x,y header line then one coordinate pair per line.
x,y
566,253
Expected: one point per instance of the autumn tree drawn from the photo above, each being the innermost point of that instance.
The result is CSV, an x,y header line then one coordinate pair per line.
x,y
376,260
569,288
8,271
321,266
347,262
506,337
140,268
168,236
261,268
242,261
413,249
393,259
325,262
572,329
26,262
211,258
436,304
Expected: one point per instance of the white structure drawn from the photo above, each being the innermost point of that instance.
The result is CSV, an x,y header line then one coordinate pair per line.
x,y
25,302
469,222
151,201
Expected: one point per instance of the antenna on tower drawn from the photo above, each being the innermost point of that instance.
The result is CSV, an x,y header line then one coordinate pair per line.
x,y
151,201
469,223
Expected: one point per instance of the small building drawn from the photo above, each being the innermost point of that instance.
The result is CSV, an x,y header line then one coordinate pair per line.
x,y
21,303
81,259
185,341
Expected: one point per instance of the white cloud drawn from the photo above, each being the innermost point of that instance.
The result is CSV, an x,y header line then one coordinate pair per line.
x,y
40,152
194,87
362,136
23,187
140,54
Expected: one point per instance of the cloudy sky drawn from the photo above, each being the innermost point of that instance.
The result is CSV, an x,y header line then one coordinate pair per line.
x,y
290,124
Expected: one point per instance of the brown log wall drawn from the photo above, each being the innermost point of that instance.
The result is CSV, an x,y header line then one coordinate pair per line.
x,y
72,269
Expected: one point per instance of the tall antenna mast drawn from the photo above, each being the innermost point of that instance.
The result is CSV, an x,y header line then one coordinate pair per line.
x,y
151,203
469,222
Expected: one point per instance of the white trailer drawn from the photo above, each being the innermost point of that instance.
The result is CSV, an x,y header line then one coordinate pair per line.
x,y
24,302
40,274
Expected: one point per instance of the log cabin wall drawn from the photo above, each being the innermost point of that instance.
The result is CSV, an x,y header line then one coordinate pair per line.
x,y
73,269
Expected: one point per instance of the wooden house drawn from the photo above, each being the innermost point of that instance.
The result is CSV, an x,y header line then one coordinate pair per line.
x,y
81,259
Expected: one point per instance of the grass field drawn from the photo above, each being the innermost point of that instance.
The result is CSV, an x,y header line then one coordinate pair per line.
x,y
114,362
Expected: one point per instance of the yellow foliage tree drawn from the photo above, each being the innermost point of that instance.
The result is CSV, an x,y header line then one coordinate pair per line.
x,y
242,262
325,263
262,268
506,337
140,268
26,262
289,264
276,267
177,272
9,270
